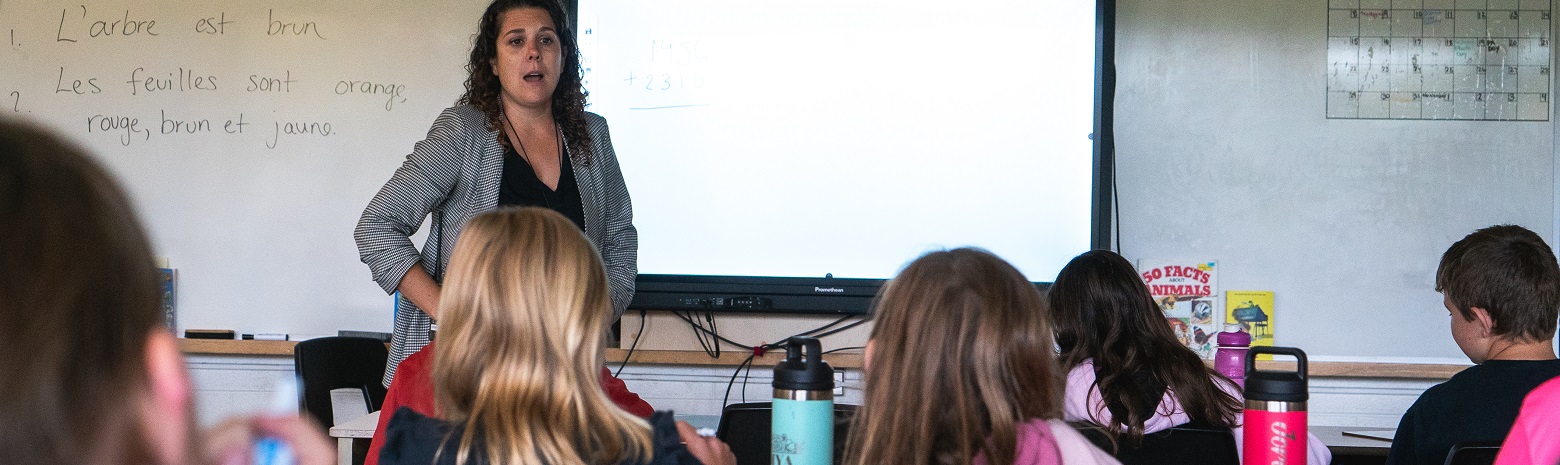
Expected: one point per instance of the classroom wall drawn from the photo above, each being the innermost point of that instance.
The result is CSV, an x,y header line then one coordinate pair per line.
x,y
249,134
1224,153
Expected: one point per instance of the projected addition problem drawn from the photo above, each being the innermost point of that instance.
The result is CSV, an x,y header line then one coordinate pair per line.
x,y
671,75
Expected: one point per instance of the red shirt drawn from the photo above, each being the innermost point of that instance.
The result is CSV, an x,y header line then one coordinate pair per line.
x,y
413,387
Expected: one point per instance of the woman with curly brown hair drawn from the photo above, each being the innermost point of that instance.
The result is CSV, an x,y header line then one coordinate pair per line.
x,y
518,136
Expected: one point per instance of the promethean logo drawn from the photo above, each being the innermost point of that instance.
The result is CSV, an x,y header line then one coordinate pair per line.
x,y
831,290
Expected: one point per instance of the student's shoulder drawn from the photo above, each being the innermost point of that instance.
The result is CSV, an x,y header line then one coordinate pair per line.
x,y
668,446
411,437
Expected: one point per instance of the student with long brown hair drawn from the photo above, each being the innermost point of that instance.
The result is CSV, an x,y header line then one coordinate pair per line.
x,y
1125,369
959,370
520,351
90,375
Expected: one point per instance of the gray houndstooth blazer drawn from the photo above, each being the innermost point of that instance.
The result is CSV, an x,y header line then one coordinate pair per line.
x,y
454,175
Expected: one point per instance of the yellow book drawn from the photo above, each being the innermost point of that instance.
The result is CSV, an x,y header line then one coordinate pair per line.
x,y
1253,311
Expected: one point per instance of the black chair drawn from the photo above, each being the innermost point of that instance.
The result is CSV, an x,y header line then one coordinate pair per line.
x,y
1195,442
745,427
327,363
1473,453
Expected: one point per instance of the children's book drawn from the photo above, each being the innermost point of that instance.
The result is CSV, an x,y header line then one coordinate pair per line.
x,y
1188,292
169,290
1253,311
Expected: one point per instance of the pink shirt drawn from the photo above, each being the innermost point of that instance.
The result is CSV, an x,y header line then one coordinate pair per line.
x,y
1082,402
1535,437
1052,442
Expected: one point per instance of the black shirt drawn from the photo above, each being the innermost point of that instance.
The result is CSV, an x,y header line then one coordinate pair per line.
x,y
411,438
519,186
1477,404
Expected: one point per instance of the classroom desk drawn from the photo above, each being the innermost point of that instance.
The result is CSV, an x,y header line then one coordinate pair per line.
x,y
1353,450
1342,446
362,429
844,359
1345,445
358,429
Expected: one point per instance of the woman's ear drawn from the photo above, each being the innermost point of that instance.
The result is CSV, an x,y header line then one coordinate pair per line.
x,y
167,414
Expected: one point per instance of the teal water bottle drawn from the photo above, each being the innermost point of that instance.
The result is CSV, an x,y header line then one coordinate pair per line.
x,y
802,432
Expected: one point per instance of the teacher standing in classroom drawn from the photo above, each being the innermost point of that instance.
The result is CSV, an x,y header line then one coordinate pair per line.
x,y
520,136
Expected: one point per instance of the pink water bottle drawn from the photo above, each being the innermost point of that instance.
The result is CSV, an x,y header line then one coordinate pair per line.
x,y
1274,422
1230,360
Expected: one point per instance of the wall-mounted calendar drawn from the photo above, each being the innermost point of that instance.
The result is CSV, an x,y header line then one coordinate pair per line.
x,y
1439,59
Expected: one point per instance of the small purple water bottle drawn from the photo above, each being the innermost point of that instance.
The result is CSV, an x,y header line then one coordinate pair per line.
x,y
1230,360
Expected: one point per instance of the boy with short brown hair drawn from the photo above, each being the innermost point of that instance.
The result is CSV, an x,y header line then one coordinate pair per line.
x,y
1501,286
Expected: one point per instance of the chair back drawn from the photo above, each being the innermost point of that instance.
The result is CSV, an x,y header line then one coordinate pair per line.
x,y
327,363
1194,442
1473,453
746,428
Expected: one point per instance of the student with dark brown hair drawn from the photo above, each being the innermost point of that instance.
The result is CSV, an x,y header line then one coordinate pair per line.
x,y
1501,289
1125,369
959,370
90,374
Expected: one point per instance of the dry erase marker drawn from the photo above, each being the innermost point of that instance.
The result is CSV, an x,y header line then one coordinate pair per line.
x,y
274,451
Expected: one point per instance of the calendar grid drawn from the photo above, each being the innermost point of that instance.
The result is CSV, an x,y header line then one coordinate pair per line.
x,y
1485,60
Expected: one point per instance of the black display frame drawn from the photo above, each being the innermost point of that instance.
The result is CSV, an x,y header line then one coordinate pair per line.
x,y
854,296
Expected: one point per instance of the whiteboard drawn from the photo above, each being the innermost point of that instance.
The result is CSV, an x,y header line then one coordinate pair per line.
x,y
1225,152
249,134
847,137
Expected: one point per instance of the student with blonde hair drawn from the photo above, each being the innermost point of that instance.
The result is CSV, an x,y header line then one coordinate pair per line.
x,y
520,351
959,370
90,374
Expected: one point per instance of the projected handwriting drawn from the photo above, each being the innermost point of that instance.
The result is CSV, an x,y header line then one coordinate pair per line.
x,y
665,81
182,80
392,92
283,84
16,101
676,52
216,25
125,25
277,27
129,129
297,128
76,86
672,75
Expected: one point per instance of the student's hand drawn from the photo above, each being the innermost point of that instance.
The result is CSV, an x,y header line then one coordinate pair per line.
x,y
231,443
707,449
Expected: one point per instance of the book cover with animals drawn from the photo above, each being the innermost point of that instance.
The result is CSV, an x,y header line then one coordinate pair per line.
x,y
1188,292
169,290
1253,311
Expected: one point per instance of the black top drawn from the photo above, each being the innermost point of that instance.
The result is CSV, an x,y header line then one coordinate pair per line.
x,y
1477,404
411,438
520,186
